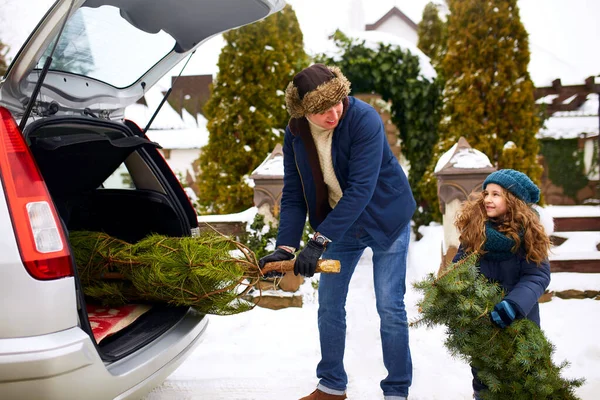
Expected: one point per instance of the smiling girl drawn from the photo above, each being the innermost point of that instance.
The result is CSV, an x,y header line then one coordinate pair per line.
x,y
502,226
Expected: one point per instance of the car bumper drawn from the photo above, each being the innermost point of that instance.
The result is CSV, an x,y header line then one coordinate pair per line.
x,y
42,357
66,365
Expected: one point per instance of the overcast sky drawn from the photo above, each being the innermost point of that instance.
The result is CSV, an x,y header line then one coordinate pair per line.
x,y
564,34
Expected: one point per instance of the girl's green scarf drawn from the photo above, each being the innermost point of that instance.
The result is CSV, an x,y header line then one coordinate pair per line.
x,y
497,245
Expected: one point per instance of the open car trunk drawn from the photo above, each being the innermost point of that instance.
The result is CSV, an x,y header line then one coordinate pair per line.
x,y
106,176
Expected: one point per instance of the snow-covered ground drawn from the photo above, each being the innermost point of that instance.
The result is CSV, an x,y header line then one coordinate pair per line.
x,y
272,355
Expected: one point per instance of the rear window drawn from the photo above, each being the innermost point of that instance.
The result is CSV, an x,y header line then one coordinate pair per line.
x,y
92,44
120,179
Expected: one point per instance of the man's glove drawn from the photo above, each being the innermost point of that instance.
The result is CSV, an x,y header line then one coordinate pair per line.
x,y
306,262
503,314
277,255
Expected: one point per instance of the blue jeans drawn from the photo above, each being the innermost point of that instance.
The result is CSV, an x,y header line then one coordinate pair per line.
x,y
478,386
389,273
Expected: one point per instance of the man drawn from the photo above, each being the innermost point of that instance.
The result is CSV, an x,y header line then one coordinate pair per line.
x,y
339,168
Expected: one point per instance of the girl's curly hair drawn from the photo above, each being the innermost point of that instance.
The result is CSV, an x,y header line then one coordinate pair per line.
x,y
519,218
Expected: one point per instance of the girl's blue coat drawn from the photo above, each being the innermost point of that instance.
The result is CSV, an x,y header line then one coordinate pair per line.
x,y
523,282
376,193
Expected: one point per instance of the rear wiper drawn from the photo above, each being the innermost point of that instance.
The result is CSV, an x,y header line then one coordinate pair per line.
x,y
166,96
47,63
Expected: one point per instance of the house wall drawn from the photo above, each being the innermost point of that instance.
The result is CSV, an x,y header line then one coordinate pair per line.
x,y
396,26
589,154
554,194
181,160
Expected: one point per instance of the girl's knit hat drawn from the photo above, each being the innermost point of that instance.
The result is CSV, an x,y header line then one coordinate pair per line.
x,y
315,89
515,182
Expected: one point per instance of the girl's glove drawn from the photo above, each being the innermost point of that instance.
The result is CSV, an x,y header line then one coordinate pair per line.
x,y
503,314
306,262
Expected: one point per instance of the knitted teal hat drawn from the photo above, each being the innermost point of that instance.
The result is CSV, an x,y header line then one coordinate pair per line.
x,y
515,182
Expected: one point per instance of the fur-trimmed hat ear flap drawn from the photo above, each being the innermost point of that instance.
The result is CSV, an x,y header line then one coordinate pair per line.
x,y
293,102
322,87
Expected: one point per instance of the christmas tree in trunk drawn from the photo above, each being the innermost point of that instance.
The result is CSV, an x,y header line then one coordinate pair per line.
x,y
515,362
211,273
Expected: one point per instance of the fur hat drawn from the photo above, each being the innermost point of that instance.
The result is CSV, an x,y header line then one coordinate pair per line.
x,y
515,182
315,89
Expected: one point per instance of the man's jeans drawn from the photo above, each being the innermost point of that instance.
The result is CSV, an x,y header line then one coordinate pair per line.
x,y
389,273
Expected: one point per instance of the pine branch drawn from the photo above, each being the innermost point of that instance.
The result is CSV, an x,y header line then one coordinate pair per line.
x,y
515,362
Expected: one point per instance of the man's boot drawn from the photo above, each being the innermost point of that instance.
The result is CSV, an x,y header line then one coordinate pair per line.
x,y
318,395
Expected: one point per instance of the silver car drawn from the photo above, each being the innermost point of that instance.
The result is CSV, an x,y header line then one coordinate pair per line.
x,y
69,161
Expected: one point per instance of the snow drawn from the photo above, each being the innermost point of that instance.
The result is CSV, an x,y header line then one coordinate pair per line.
x,y
179,138
571,124
463,158
270,167
590,107
573,211
267,355
568,127
546,99
578,246
244,216
562,281
169,129
570,99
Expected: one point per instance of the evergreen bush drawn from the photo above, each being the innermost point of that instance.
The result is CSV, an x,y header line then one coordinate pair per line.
x,y
433,35
3,60
564,161
261,236
488,93
246,110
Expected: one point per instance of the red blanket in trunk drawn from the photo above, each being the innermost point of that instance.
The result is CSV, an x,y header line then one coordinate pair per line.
x,y
106,321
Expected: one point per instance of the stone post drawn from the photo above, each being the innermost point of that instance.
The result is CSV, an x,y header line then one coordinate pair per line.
x,y
459,171
268,184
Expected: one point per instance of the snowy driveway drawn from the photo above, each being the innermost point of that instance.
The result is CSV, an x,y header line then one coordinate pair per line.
x,y
272,355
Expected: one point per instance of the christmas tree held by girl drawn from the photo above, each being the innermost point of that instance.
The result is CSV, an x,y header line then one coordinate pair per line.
x,y
501,225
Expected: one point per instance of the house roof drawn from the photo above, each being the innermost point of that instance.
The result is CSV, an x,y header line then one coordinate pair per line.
x,y
180,139
572,110
572,124
395,11
190,92
560,98
170,129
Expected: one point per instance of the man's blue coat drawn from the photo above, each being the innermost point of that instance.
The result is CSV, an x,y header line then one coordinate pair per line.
x,y
375,189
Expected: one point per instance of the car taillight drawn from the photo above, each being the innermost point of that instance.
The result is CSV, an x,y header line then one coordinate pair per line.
x,y
39,234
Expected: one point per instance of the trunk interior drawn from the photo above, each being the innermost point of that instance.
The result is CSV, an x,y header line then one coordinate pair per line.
x,y
102,177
